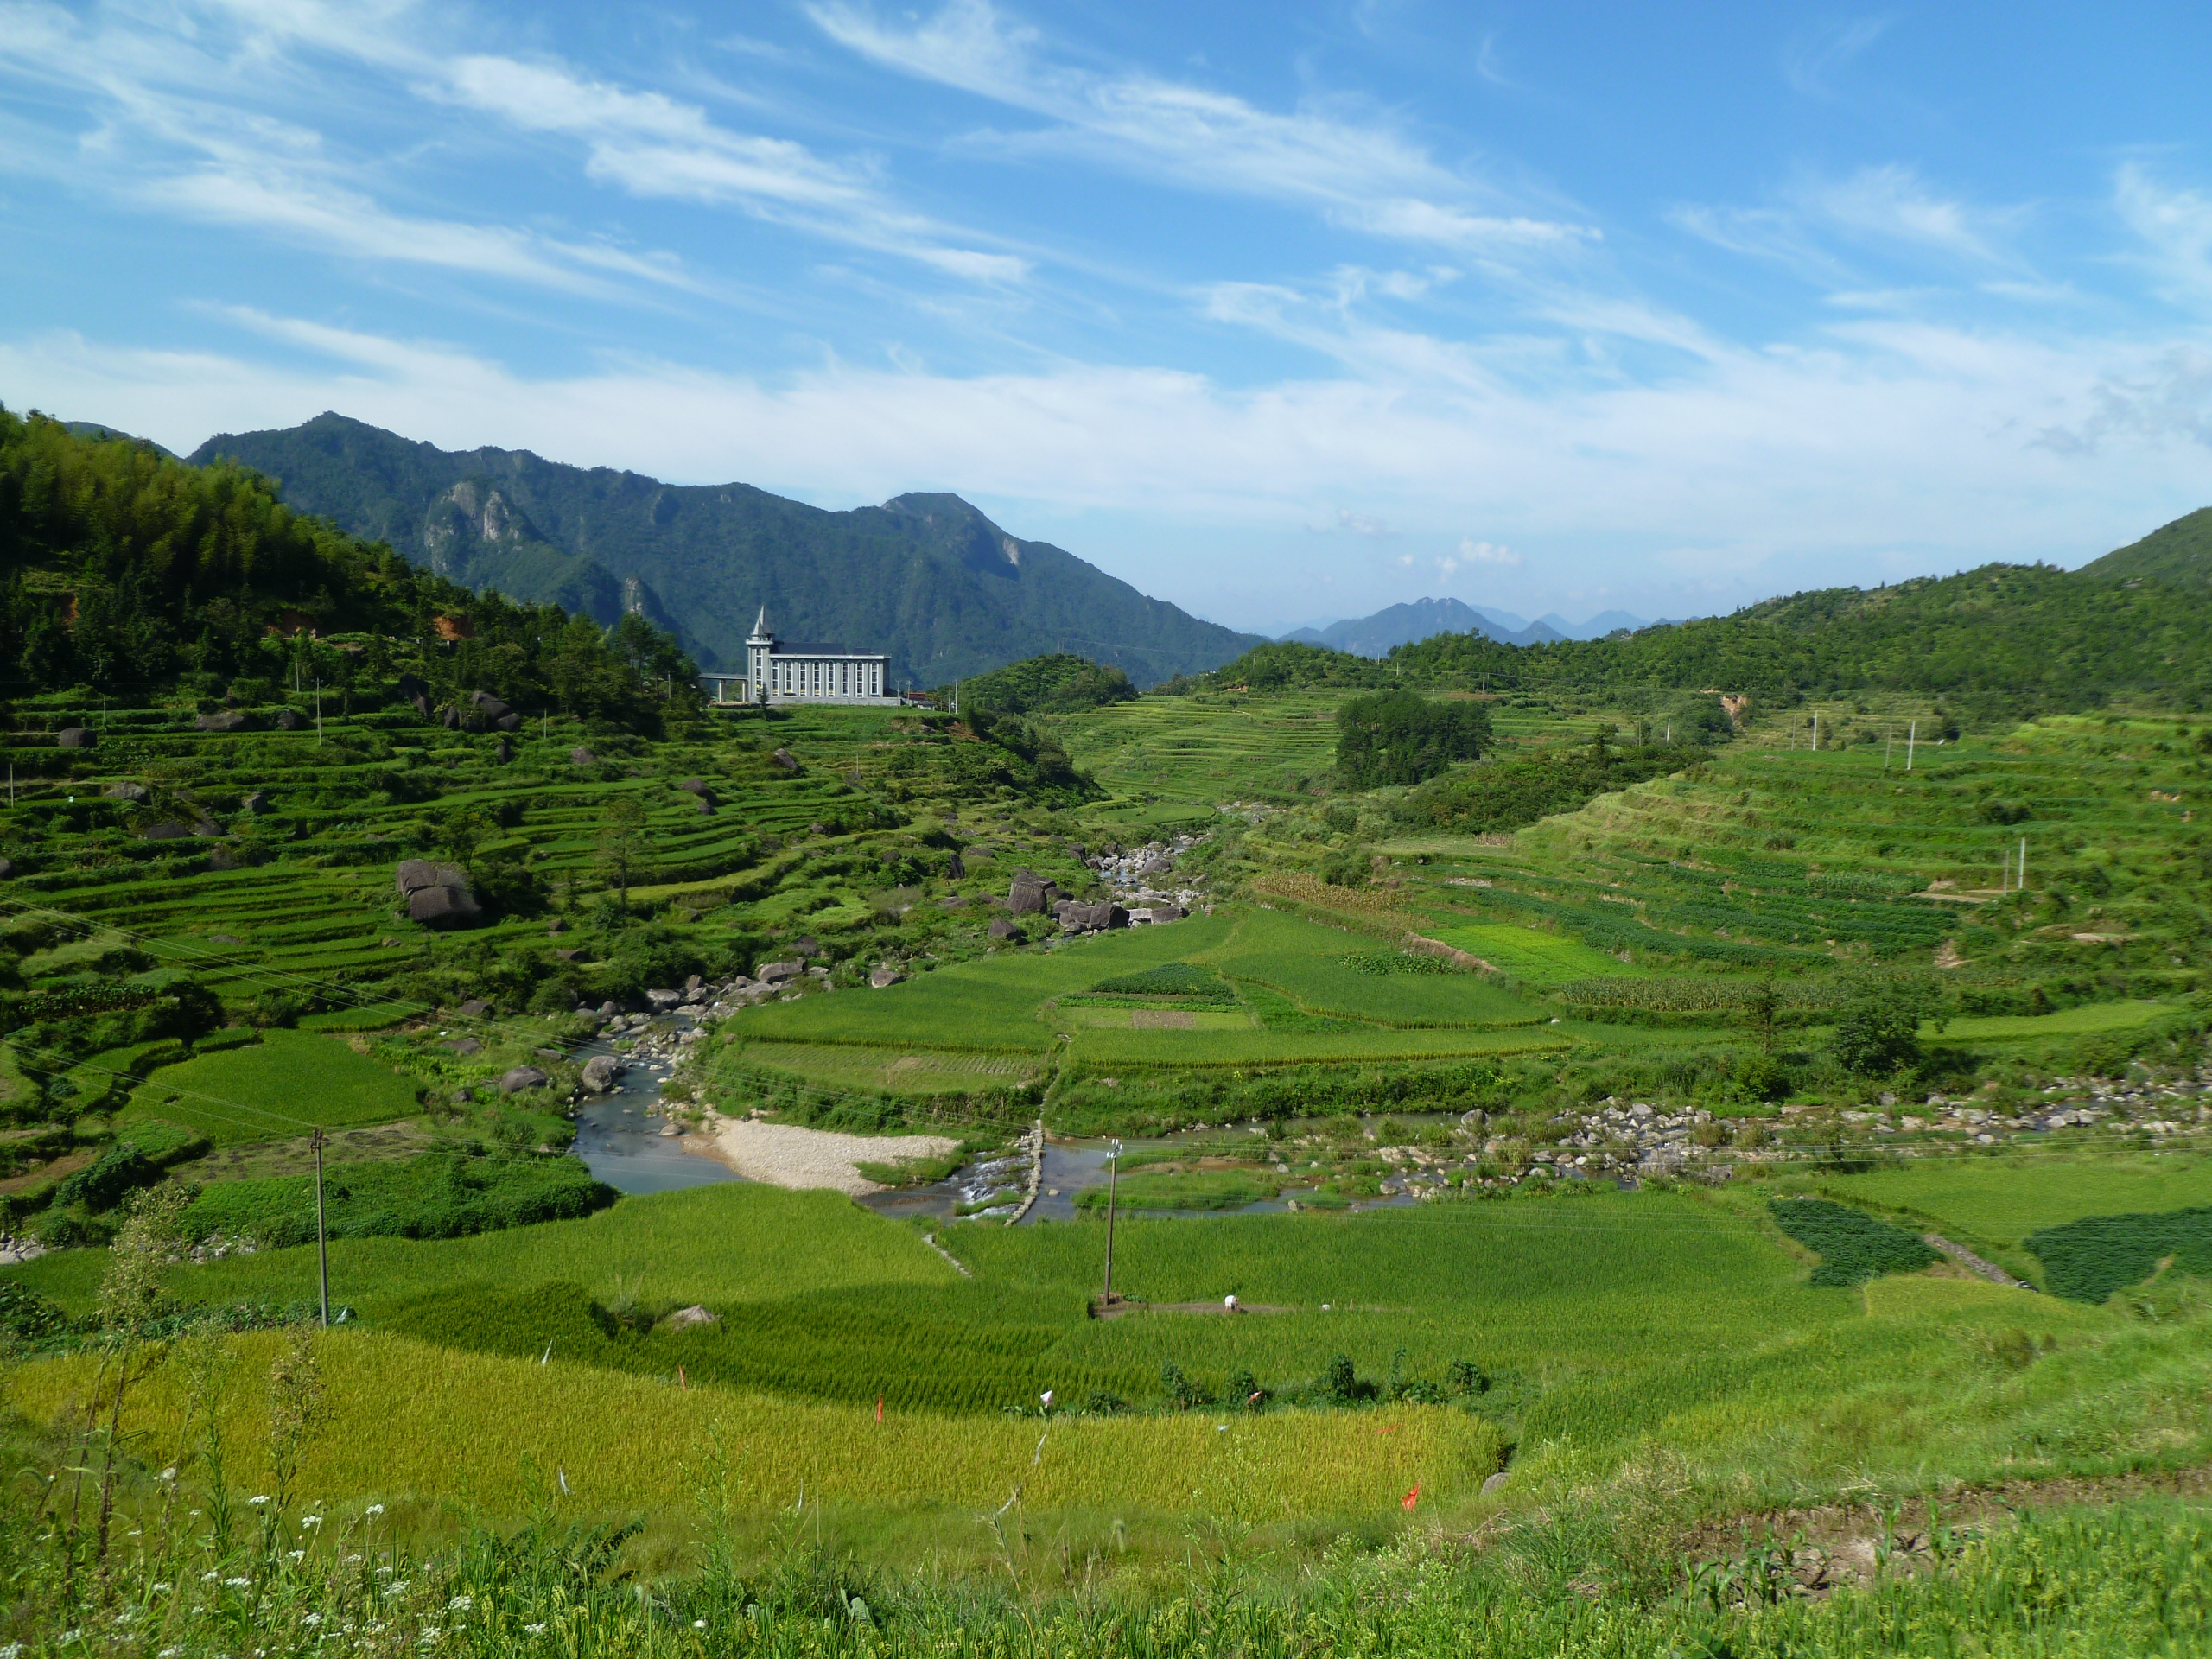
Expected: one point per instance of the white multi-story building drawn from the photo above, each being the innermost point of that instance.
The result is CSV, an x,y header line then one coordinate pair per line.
x,y
777,671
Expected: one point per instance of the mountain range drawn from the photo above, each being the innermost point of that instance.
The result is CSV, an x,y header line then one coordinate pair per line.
x,y
1423,619
924,578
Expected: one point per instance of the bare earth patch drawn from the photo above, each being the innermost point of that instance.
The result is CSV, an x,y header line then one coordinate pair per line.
x,y
787,1154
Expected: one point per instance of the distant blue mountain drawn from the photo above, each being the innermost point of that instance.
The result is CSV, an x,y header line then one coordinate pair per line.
x,y
1402,625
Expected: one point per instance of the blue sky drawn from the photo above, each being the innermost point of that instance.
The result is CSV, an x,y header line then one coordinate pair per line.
x,y
1281,311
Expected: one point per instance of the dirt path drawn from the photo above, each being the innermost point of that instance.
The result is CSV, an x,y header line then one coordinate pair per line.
x,y
786,1154
1972,1263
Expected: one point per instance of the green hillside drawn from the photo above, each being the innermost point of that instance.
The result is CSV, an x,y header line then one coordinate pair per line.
x,y
924,577
2178,555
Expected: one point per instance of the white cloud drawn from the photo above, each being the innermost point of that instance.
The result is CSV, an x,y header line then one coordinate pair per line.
x,y
1813,61
1495,553
1360,171
1893,203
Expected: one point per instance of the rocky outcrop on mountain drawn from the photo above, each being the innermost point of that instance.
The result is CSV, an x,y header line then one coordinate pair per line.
x,y
436,895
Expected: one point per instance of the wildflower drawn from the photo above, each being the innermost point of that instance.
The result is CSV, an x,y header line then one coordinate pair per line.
x,y
383,1571
68,1636
527,1630
169,1653
168,1473
298,1555
209,1578
373,1511
13,1650
258,1497
460,1604
310,1620
698,1624
397,1587
352,1561
430,1634
310,1520
239,1584
161,1588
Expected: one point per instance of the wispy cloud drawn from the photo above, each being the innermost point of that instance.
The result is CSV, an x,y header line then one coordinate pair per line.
x,y
650,144
1815,58
1360,170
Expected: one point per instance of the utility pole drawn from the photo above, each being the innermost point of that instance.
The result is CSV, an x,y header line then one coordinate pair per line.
x,y
1113,1169
2024,864
1911,732
1816,731
321,1236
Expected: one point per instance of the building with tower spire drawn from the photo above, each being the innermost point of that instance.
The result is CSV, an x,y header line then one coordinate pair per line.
x,y
780,670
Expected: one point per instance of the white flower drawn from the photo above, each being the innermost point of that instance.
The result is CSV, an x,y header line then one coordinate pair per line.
x,y
298,1555
698,1624
239,1584
352,1561
258,1497
431,1633
460,1604
310,1520
160,1588
13,1650
169,1653
68,1636
209,1578
310,1620
528,1630
373,1511
397,1587
383,1571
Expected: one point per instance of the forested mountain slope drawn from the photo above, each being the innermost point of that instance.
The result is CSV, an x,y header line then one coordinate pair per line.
x,y
121,566
925,578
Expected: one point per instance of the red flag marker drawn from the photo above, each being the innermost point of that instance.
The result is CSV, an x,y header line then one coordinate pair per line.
x,y
1410,1498
683,1382
878,1408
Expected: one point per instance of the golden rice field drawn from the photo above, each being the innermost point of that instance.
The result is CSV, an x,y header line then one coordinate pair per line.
x,y
409,1421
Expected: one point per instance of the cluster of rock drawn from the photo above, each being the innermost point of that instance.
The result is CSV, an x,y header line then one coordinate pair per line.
x,y
436,895
708,999
1141,879
480,711
1636,1137
1032,894
2159,1109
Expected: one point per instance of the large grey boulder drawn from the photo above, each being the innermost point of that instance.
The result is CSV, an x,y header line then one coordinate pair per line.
x,y
776,973
884,977
74,737
522,1078
290,720
7,868
1003,929
601,1072
137,794
256,803
786,759
166,829
662,1001
580,756
1032,893
437,894
224,720
493,712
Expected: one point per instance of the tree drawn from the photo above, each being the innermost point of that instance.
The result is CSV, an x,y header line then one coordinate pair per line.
x,y
1878,1032
1761,1008
621,839
1401,737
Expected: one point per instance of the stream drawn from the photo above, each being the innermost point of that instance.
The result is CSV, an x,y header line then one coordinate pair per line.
x,y
618,1134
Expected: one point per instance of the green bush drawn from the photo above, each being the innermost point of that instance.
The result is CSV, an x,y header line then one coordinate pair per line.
x,y
1853,1246
26,1314
2087,1261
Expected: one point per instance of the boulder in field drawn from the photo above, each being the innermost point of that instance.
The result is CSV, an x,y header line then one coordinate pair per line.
x,y
601,1072
443,906
74,737
777,973
884,978
224,720
706,807
806,945
522,1078
475,1009
695,787
166,829
689,1319
1003,929
7,868
504,751
580,756
664,1001
467,1046
568,955
137,794
955,867
290,720
490,708
256,803
786,759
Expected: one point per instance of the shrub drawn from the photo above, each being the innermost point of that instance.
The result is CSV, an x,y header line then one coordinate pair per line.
x,y
1878,1032
26,1314
1853,1246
